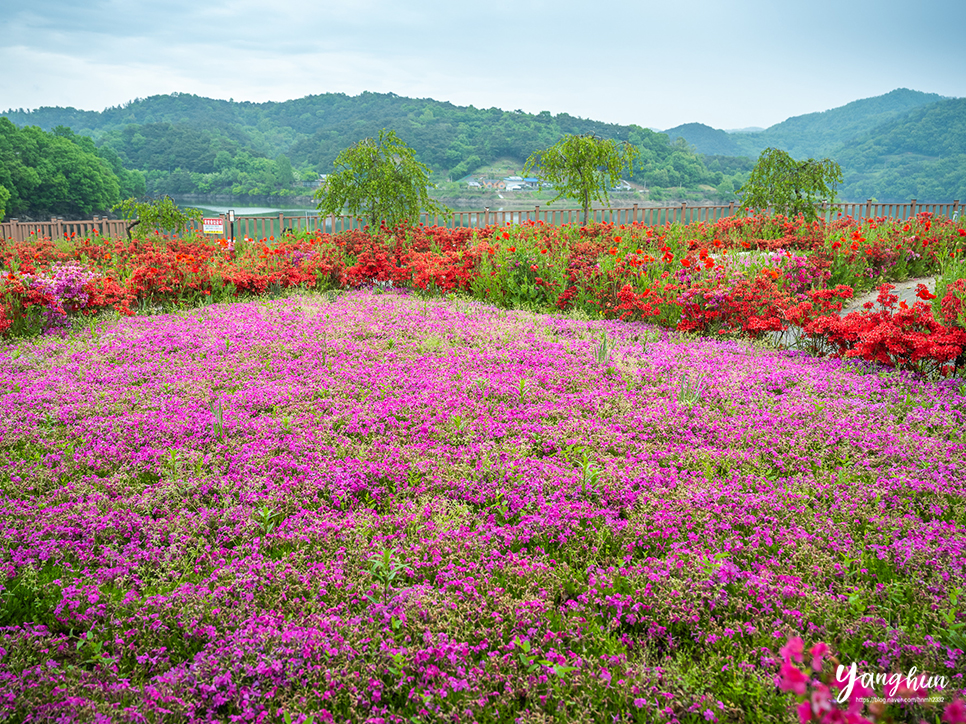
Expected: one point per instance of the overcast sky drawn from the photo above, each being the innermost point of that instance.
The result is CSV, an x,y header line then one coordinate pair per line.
x,y
727,63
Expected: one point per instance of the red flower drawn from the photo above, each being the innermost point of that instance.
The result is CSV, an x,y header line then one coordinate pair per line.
x,y
512,249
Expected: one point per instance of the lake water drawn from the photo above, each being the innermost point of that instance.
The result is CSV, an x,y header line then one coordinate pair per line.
x,y
253,210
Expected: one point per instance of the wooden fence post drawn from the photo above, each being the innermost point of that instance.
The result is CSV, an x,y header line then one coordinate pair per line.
x,y
912,209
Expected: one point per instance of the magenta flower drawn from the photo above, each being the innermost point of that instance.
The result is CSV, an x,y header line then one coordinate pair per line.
x,y
793,649
818,651
791,678
804,711
955,712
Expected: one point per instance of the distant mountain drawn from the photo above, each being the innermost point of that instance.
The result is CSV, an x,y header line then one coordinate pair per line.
x,y
901,145
813,135
895,146
921,155
706,139
816,135
185,144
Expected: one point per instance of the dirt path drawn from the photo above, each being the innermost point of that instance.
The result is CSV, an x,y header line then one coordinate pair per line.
x,y
906,291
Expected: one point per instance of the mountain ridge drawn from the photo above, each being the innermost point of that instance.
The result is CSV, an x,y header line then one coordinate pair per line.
x,y
185,143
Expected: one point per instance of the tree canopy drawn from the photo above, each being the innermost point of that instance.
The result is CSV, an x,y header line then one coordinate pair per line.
x,y
582,167
379,179
49,174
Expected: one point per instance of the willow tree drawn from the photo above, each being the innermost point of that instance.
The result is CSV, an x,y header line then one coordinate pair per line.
x,y
582,167
151,214
380,180
788,186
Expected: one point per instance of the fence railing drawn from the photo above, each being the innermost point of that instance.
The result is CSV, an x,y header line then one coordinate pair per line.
x,y
57,228
262,227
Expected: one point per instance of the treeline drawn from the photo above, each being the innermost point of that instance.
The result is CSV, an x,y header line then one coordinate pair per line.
x,y
59,173
901,145
183,144
895,147
921,154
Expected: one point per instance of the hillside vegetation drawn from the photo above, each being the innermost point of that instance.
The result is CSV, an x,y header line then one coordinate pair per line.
x,y
901,145
186,144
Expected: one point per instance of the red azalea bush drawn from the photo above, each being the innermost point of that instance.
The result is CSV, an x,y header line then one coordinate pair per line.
x,y
23,307
105,292
449,271
645,306
752,307
905,337
376,263
952,309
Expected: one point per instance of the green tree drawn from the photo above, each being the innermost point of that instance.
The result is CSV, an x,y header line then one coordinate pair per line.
x,y
582,167
788,186
283,171
162,213
379,179
4,198
53,173
725,190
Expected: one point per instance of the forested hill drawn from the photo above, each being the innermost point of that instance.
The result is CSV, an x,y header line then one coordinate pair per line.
x,y
921,154
438,128
188,144
901,145
813,135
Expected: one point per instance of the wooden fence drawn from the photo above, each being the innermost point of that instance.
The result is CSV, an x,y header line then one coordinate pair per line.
x,y
263,227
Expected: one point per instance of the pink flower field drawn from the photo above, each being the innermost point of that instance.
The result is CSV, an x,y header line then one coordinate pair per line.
x,y
375,507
